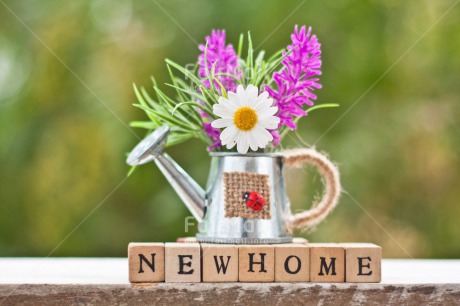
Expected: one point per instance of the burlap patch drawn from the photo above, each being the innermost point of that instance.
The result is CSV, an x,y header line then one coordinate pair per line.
x,y
236,184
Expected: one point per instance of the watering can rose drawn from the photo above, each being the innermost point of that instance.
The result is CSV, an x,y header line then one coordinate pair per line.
x,y
247,118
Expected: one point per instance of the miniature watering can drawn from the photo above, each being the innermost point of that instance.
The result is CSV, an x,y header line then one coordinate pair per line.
x,y
245,201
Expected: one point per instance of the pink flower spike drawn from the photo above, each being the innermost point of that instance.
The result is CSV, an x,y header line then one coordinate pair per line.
x,y
225,60
298,78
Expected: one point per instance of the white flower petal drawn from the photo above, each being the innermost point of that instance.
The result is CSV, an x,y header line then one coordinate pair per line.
x,y
263,95
267,112
242,144
253,143
234,100
265,135
231,104
240,90
263,104
269,123
223,111
258,136
228,135
251,93
221,123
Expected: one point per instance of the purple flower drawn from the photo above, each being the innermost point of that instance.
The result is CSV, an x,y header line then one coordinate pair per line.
x,y
222,56
225,60
213,134
297,80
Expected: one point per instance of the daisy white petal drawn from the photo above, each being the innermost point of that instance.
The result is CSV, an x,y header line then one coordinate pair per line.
x,y
228,134
221,123
253,143
252,92
222,112
242,144
269,123
246,117
269,112
229,103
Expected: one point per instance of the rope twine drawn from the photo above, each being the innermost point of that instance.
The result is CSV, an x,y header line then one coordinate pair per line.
x,y
330,175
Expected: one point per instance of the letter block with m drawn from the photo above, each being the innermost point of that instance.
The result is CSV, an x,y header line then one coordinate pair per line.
x,y
327,262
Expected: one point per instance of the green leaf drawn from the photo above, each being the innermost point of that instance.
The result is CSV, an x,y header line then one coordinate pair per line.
x,y
240,44
250,59
149,125
187,73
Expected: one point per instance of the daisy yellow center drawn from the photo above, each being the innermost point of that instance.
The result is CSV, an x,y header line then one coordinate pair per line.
x,y
245,118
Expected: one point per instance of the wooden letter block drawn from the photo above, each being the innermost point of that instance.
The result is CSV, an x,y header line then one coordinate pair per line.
x,y
220,262
363,262
299,240
182,263
327,262
292,262
146,262
256,263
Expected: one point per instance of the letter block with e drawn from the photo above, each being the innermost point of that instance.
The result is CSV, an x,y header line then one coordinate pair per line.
x,y
327,262
182,262
220,262
146,262
363,262
256,263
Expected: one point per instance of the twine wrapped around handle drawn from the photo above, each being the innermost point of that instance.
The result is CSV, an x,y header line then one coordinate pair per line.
x,y
331,179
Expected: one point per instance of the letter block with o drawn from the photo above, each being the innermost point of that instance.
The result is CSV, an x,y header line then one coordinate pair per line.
x,y
292,262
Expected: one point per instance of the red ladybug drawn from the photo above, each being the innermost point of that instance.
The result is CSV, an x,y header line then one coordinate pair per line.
x,y
254,200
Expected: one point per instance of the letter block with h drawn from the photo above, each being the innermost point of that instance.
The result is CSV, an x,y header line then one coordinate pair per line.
x,y
327,262
256,263
146,262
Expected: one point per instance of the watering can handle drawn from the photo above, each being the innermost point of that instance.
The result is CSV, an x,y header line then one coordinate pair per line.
x,y
332,188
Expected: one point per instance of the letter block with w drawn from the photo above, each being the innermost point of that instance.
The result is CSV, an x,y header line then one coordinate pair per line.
x,y
220,262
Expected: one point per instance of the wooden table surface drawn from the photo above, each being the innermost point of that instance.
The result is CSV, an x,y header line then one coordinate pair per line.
x,y
59,281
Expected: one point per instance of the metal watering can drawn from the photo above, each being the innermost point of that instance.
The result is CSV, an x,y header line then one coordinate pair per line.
x,y
245,201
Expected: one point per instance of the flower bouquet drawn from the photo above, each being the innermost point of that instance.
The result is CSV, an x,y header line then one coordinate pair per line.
x,y
241,108
236,103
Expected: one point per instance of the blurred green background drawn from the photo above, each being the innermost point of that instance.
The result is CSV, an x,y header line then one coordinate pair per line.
x,y
66,74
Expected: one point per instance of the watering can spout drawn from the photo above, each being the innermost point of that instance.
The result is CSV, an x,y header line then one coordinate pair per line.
x,y
151,148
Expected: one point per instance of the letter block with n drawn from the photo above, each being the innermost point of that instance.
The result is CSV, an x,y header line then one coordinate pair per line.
x,y
146,262
219,262
256,263
327,262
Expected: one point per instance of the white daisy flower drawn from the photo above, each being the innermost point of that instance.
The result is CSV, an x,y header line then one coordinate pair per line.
x,y
246,117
